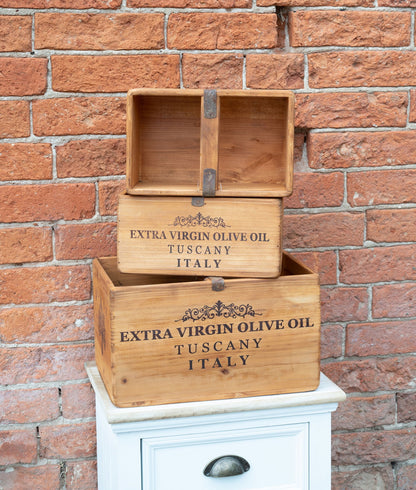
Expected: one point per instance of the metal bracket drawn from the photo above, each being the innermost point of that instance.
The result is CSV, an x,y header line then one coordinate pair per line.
x,y
210,104
209,182
217,283
198,202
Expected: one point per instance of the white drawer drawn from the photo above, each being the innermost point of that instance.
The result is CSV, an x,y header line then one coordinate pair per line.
x,y
278,458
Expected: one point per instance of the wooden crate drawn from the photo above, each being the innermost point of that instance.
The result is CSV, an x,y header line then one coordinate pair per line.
x,y
223,143
167,339
233,237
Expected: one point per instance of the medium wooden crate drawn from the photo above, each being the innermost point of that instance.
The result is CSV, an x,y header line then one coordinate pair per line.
x,y
168,339
223,143
233,237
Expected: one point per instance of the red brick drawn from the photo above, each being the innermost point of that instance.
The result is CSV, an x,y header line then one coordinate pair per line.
x,y
29,405
343,110
384,338
275,71
212,70
15,33
314,190
23,76
373,374
79,115
25,161
67,441
381,264
17,446
394,300
323,230
14,118
81,474
44,284
391,225
114,73
374,447
85,241
361,69
41,364
25,203
348,28
115,31
315,3
381,187
108,193
331,341
358,412
78,401
61,4
91,158
406,407
221,31
412,115
20,245
298,157
45,477
324,263
344,304
396,3
226,4
372,477
406,477
361,149
38,324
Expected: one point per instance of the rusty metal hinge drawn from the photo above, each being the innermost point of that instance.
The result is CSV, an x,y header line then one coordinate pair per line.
x,y
210,104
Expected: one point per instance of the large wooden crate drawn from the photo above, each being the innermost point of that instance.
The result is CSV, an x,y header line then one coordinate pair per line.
x,y
167,339
223,143
233,237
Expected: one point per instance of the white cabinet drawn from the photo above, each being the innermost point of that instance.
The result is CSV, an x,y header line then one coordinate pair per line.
x,y
278,442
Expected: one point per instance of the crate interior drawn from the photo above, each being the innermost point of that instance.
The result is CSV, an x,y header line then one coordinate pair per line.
x,y
165,144
253,143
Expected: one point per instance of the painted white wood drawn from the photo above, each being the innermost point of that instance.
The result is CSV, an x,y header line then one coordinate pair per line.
x,y
285,439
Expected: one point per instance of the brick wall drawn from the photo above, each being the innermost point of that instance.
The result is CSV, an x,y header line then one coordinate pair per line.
x,y
65,67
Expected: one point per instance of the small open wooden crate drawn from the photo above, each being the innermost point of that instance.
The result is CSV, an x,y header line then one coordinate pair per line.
x,y
222,143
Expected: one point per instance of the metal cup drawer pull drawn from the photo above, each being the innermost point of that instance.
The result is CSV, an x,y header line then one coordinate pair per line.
x,y
226,466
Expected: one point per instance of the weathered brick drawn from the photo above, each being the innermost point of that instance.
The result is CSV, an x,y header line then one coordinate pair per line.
x,y
29,405
44,284
331,341
344,304
312,190
298,156
394,300
406,477
221,31
381,187
323,230
373,374
79,115
324,263
275,71
108,194
391,225
85,241
361,149
42,364
44,477
68,441
406,407
382,338
23,76
15,33
358,412
25,203
25,161
381,264
361,69
14,118
226,4
344,110
78,401
61,4
17,446
371,477
396,3
212,70
348,28
374,446
91,158
20,245
115,31
412,112
114,73
39,324
81,474
316,3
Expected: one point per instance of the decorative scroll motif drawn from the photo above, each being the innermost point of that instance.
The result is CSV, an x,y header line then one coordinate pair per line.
x,y
200,220
218,309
